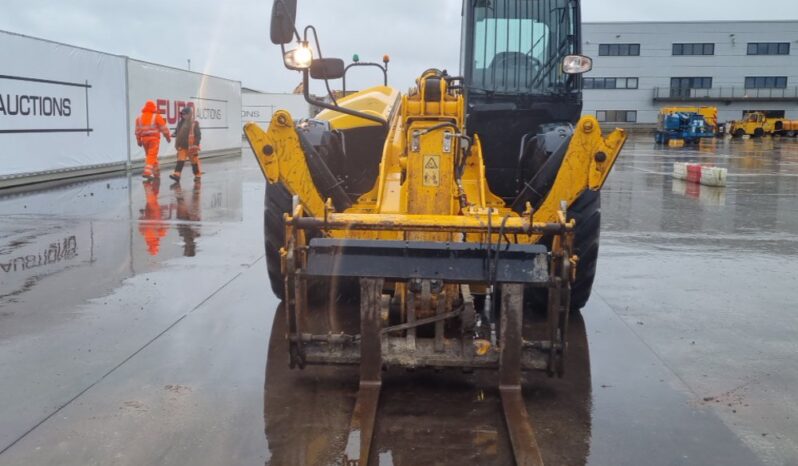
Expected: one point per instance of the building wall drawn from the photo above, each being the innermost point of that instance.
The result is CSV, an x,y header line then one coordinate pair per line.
x,y
656,65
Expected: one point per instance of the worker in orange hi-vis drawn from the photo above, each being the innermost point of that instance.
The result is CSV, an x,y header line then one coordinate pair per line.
x,y
187,143
149,127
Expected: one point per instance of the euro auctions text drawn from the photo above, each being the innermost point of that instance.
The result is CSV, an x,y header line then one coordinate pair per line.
x,y
209,111
35,105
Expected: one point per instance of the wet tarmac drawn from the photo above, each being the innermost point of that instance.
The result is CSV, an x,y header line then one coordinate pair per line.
x,y
137,327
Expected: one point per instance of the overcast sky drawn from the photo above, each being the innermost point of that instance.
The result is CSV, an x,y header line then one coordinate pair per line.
x,y
229,38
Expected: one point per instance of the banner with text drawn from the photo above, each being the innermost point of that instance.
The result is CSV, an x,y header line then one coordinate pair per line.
x,y
61,107
216,101
259,107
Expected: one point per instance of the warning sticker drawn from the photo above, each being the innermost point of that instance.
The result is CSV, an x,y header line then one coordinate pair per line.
x,y
432,170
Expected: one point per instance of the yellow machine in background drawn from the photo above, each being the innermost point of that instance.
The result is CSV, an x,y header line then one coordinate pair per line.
x,y
757,124
446,212
710,114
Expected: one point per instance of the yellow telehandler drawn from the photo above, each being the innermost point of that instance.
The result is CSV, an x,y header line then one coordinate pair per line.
x,y
454,213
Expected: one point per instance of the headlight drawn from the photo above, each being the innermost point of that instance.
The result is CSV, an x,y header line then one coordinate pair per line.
x,y
300,58
576,64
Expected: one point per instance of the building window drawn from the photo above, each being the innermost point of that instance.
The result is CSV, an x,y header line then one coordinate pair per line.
x,y
768,48
619,50
694,49
766,82
610,83
617,116
681,87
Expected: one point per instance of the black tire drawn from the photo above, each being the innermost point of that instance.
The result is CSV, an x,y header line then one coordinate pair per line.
x,y
586,210
738,133
759,132
277,202
587,213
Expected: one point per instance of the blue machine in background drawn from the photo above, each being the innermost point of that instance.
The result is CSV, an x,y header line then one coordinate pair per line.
x,y
688,126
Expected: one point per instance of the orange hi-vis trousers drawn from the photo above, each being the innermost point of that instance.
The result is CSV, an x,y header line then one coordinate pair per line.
x,y
151,148
191,154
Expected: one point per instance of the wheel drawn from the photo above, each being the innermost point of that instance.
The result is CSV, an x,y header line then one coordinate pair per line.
x,y
587,213
759,132
586,210
738,133
277,202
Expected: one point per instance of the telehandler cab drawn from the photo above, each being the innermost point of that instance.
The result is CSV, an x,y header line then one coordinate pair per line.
x,y
455,212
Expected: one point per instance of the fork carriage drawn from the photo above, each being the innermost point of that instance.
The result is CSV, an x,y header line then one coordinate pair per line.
x,y
433,304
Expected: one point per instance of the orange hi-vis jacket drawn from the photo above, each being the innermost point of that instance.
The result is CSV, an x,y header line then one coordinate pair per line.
x,y
150,125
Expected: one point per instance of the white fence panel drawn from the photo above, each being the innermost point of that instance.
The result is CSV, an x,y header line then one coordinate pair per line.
x,y
259,108
217,103
61,107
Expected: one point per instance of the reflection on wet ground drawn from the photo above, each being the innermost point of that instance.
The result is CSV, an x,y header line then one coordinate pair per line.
x,y
187,209
80,288
706,277
425,417
100,228
136,322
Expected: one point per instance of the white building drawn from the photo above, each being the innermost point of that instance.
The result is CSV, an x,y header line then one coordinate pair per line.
x,y
737,66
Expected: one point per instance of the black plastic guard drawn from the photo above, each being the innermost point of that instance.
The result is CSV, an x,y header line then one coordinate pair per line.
x,y
450,262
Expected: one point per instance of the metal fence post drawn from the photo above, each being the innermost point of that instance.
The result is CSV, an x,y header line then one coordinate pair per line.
x,y
127,115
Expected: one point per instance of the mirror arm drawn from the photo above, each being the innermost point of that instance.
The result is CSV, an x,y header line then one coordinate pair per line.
x,y
309,99
312,28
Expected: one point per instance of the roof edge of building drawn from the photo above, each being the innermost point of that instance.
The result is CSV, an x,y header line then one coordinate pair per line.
x,y
718,21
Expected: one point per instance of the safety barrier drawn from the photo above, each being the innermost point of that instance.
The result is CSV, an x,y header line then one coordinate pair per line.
x,y
697,173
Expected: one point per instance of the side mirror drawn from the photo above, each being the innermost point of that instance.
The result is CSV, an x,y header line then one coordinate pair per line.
x,y
327,68
283,18
576,64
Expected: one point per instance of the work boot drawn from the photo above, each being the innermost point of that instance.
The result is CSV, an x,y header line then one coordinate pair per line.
x,y
178,170
197,173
